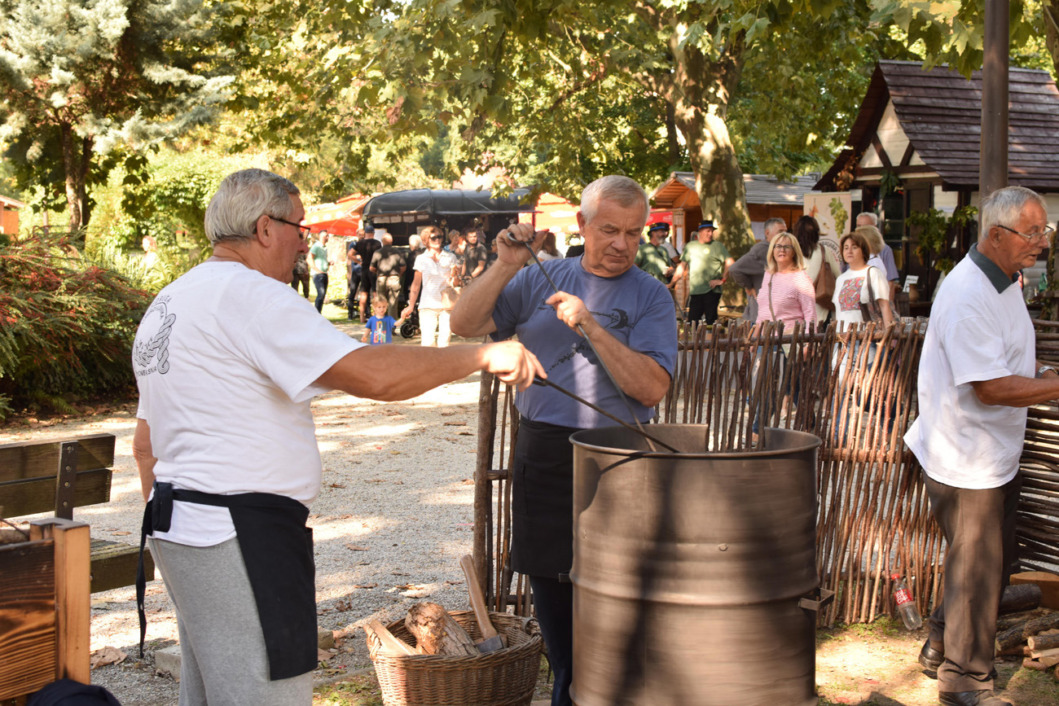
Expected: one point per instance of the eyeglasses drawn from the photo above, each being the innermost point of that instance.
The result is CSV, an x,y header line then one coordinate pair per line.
x,y
783,247
1045,235
303,231
437,237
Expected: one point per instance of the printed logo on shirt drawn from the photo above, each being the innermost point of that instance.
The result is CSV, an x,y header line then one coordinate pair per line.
x,y
152,345
616,320
849,296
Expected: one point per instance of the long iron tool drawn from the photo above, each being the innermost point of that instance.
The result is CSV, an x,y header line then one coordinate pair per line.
x,y
602,364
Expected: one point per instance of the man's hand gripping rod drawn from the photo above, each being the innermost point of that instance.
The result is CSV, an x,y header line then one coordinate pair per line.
x,y
621,393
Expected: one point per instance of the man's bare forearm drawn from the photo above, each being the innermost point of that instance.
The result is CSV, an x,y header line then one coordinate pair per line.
x,y
473,314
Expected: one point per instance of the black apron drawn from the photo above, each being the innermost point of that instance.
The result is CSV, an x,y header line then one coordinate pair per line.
x,y
277,550
542,500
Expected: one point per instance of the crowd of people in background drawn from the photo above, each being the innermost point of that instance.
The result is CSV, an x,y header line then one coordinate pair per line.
x,y
420,291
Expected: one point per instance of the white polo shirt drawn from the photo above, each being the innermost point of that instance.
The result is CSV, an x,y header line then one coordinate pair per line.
x,y
979,330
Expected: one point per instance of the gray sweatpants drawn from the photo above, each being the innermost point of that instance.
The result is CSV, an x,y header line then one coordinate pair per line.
x,y
222,648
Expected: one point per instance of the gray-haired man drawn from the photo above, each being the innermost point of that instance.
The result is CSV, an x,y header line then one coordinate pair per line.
x,y
977,374
227,360
749,270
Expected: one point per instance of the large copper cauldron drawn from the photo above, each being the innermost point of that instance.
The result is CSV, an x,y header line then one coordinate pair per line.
x,y
690,570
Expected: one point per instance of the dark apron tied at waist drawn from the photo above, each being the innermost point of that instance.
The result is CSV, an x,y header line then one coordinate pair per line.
x,y
277,550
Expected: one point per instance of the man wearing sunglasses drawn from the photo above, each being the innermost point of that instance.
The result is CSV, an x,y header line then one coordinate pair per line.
x,y
227,360
977,374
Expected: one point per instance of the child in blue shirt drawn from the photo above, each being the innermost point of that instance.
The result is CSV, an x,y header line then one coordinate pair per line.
x,y
381,326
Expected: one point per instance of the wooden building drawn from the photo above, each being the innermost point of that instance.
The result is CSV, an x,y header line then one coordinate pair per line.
x,y
766,197
915,146
9,215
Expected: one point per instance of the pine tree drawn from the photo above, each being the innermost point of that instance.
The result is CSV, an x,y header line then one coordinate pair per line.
x,y
84,81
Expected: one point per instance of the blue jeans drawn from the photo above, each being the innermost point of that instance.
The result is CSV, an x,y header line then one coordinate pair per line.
x,y
320,282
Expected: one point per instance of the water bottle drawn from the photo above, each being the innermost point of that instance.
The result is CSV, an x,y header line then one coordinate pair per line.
x,y
906,605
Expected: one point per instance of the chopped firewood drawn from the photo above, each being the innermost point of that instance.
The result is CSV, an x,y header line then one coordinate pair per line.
x,y
1044,641
1026,596
1046,656
437,633
1019,633
1005,622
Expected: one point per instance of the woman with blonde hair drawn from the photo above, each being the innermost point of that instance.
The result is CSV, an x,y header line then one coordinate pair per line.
x,y
786,294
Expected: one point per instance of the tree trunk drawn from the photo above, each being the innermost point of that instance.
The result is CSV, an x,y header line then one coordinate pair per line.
x,y
700,93
87,145
72,170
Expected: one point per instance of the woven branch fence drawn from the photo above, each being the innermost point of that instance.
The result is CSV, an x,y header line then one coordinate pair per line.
x,y
857,392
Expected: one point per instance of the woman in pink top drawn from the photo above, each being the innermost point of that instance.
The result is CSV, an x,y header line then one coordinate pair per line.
x,y
786,293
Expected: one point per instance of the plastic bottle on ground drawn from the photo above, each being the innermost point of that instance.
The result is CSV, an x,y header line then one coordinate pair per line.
x,y
906,605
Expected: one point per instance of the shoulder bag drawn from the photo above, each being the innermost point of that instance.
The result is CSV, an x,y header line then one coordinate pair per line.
x,y
825,281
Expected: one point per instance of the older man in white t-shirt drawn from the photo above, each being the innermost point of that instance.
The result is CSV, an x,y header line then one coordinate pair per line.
x,y
227,360
977,374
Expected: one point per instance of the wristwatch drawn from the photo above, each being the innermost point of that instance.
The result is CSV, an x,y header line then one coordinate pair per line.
x,y
1045,368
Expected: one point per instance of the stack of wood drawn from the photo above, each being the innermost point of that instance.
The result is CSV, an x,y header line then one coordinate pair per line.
x,y
1032,631
435,631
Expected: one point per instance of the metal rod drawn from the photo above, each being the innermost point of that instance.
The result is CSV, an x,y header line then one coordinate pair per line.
x,y
605,413
602,363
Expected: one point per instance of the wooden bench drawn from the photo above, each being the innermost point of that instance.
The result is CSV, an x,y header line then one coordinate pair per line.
x,y
57,476
45,608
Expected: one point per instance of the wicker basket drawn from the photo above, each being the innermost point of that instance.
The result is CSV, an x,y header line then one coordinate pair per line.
x,y
502,678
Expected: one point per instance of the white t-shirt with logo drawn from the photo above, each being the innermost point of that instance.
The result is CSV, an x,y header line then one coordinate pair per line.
x,y
225,360
975,334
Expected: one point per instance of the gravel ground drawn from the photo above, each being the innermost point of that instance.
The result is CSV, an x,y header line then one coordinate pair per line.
x,y
394,515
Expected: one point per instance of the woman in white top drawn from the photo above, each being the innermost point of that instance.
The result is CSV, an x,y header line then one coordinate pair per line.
x,y
807,231
548,250
851,287
435,270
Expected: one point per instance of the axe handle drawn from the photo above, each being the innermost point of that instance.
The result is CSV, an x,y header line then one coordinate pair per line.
x,y
474,590
390,641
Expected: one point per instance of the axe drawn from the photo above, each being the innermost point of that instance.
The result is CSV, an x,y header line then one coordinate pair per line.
x,y
491,641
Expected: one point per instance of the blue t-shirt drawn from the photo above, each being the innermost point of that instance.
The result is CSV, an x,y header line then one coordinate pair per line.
x,y
634,307
380,330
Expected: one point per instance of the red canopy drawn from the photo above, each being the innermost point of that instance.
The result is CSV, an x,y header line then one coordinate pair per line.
x,y
341,218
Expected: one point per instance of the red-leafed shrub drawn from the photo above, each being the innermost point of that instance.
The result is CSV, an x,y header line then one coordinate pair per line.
x,y
66,326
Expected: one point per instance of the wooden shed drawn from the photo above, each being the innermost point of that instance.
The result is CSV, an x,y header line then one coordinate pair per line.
x,y
766,197
915,146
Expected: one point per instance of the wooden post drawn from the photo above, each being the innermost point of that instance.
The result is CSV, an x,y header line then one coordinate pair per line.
x,y
72,594
483,487
993,167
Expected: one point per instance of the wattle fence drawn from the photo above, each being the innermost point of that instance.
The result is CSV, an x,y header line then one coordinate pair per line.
x,y
857,392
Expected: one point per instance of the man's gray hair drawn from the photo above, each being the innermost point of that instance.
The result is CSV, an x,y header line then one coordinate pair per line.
x,y
774,222
619,189
868,216
1004,207
242,198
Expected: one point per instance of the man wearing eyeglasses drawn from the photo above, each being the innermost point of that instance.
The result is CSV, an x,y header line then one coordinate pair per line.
x,y
977,374
227,360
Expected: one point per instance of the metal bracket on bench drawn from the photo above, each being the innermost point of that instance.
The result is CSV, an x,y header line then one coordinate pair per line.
x,y
65,480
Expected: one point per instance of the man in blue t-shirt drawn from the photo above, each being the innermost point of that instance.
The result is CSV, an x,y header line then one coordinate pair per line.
x,y
628,316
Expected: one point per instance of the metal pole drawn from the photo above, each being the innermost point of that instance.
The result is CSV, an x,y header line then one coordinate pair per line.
x,y
993,172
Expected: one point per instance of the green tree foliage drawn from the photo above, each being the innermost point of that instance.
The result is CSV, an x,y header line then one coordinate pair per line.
x,y
952,32
560,92
86,85
66,326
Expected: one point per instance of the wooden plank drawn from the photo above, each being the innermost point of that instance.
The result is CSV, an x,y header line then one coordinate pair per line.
x,y
28,497
114,564
27,617
73,615
33,459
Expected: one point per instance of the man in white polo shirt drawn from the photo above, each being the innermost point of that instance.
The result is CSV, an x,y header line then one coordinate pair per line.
x,y
977,375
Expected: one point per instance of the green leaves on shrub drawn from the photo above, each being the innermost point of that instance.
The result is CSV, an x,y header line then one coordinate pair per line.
x,y
66,326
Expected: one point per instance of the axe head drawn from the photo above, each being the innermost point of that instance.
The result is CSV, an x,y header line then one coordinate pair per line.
x,y
491,645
